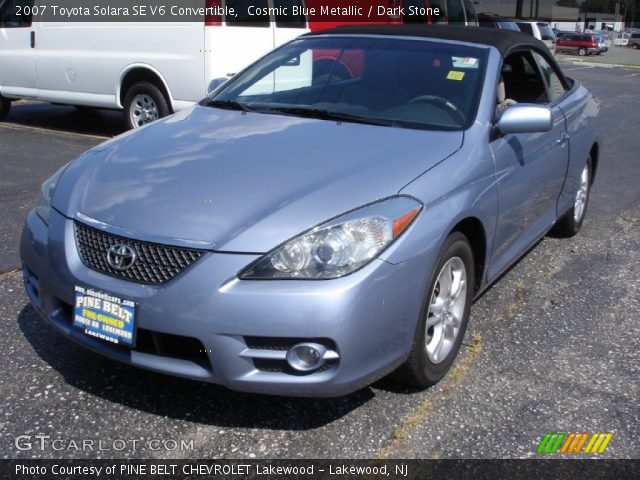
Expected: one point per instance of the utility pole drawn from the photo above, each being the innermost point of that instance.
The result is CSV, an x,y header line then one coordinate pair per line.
x,y
518,9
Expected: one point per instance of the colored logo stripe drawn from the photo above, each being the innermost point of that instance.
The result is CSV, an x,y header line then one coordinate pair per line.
x,y
561,442
598,442
551,442
578,441
567,442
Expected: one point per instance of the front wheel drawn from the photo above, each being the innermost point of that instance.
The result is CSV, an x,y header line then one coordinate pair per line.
x,y
582,52
570,223
5,107
444,316
144,103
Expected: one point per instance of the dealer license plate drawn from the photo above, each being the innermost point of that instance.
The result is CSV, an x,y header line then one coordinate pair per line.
x,y
105,316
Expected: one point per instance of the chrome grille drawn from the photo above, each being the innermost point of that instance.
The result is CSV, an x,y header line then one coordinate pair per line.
x,y
155,263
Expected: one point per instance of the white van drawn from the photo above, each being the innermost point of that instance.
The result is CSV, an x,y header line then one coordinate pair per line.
x,y
147,69
541,31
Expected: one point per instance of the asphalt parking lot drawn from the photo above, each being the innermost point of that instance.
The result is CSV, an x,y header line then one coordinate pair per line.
x,y
553,346
623,56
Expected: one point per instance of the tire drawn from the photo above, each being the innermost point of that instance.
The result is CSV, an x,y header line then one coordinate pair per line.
x,y
144,103
582,51
636,46
5,107
570,223
426,365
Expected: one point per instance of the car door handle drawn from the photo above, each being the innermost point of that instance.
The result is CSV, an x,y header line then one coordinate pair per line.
x,y
33,39
564,138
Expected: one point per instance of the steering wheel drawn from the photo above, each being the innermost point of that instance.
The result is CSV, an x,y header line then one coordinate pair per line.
x,y
441,103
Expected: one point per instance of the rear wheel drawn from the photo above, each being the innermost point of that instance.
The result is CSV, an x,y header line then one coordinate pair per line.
x,y
570,223
5,107
444,316
582,51
144,103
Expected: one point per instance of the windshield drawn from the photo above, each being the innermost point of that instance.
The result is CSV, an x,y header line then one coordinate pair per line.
x,y
382,81
509,26
545,31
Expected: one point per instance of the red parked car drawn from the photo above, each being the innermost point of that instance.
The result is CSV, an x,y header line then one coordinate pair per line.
x,y
580,43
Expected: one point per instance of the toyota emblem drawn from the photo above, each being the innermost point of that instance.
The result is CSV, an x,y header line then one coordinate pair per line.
x,y
121,257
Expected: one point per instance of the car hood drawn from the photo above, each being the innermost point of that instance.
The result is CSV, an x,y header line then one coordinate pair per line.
x,y
241,182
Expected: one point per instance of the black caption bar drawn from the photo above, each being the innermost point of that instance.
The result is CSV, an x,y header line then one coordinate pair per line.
x,y
320,469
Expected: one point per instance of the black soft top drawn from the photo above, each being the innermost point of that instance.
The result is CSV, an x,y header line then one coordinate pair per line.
x,y
503,40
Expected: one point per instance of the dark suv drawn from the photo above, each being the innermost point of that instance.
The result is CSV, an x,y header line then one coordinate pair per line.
x,y
634,41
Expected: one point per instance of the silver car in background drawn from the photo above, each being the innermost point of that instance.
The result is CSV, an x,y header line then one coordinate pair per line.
x,y
306,233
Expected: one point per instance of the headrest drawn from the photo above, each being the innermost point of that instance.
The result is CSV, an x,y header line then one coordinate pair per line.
x,y
501,94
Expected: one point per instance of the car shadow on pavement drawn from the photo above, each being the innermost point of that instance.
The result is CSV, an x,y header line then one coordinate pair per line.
x,y
174,397
68,119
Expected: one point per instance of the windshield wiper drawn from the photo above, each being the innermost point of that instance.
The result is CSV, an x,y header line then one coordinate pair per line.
x,y
328,115
227,105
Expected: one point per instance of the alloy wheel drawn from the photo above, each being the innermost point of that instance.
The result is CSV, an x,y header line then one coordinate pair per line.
x,y
582,194
446,310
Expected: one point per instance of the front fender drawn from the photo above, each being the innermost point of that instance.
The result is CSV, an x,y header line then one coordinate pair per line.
x,y
461,187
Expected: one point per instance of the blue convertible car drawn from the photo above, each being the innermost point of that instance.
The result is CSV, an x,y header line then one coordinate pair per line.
x,y
322,219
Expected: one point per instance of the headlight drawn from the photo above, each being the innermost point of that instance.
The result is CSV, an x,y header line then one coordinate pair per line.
x,y
43,209
339,246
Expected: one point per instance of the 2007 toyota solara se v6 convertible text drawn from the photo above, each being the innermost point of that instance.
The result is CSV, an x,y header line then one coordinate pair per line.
x,y
322,219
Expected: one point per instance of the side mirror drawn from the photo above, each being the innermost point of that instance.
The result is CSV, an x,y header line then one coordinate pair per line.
x,y
525,118
215,84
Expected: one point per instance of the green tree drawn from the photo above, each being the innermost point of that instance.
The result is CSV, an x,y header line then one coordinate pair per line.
x,y
600,6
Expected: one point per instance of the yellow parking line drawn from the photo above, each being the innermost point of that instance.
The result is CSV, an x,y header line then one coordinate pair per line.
x,y
9,272
416,417
17,126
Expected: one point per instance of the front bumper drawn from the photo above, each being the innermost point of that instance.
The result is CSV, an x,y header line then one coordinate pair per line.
x,y
207,325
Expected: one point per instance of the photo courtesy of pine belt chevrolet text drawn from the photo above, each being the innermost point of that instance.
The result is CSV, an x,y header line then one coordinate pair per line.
x,y
322,219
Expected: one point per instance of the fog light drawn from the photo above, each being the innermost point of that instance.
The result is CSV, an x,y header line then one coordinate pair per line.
x,y
305,357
